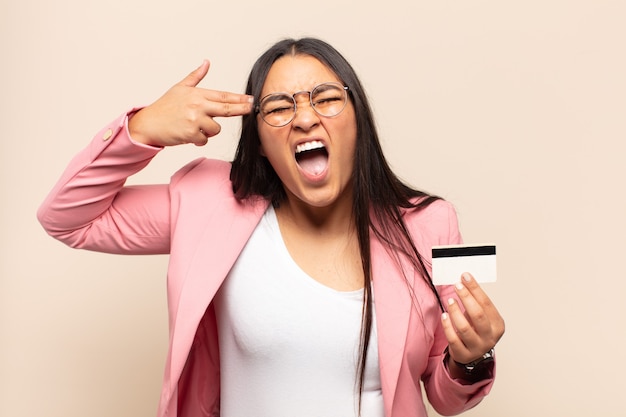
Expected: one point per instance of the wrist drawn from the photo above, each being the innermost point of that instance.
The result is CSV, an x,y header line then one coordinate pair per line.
x,y
473,371
133,126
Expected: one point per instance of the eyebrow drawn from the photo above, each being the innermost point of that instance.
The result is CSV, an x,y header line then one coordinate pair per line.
x,y
329,85
276,97
326,85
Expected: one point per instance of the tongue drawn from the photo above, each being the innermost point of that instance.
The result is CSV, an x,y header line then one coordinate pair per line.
x,y
313,162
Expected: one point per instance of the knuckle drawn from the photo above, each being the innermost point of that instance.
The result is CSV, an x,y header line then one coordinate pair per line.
x,y
191,120
227,109
190,131
480,316
463,329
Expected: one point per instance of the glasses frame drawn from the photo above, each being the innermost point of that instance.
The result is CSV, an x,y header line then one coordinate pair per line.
x,y
344,88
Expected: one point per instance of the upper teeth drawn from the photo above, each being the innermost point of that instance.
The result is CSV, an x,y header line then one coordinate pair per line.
x,y
308,146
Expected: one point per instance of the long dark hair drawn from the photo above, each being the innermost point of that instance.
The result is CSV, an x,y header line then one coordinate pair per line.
x,y
380,196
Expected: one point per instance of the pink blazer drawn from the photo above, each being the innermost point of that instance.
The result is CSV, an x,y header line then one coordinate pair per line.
x,y
197,220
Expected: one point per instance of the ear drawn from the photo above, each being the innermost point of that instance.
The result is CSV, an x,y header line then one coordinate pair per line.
x,y
262,151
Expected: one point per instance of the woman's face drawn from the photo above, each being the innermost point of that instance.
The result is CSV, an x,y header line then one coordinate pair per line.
x,y
313,155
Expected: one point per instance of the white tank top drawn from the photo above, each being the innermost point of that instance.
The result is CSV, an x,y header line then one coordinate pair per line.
x,y
289,344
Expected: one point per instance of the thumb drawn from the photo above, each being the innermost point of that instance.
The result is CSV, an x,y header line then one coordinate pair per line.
x,y
196,75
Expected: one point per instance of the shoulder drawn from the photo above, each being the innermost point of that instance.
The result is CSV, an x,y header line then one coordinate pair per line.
x,y
435,224
436,214
201,167
207,182
203,173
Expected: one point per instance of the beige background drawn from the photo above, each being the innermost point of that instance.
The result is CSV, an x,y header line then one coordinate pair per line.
x,y
514,111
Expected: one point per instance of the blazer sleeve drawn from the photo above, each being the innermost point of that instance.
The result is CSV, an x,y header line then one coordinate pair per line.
x,y
446,395
90,208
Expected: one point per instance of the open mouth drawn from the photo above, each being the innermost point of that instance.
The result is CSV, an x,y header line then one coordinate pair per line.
x,y
312,157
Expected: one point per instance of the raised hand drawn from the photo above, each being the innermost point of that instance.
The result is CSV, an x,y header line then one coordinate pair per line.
x,y
475,332
185,113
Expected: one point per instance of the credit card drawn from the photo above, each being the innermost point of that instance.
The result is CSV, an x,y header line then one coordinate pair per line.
x,y
450,261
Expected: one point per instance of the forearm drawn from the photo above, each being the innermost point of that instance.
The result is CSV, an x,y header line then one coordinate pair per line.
x,y
78,210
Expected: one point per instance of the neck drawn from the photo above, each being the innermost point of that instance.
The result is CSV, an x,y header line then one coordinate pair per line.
x,y
335,219
323,242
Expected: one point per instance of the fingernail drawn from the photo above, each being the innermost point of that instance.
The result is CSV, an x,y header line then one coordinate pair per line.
x,y
466,277
444,316
250,99
458,286
450,301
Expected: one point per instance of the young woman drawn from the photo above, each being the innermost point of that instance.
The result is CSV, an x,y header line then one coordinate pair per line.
x,y
298,282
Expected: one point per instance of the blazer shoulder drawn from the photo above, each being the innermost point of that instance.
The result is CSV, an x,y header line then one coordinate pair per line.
x,y
203,173
207,181
438,211
435,224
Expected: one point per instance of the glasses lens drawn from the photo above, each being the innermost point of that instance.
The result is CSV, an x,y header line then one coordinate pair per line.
x,y
328,99
277,109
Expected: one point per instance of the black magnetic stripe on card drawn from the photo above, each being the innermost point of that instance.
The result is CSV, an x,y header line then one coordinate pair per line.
x,y
463,251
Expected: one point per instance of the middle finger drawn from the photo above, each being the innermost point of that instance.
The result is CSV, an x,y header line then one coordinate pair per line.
x,y
474,311
225,104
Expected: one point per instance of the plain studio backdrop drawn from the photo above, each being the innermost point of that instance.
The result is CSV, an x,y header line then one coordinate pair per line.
x,y
514,111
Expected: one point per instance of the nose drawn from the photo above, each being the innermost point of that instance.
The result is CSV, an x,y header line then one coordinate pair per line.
x,y
306,117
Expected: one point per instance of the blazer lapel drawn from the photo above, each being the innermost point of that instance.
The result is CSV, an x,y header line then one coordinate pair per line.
x,y
393,305
215,254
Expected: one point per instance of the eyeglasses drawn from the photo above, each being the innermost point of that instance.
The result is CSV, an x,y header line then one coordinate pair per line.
x,y
279,109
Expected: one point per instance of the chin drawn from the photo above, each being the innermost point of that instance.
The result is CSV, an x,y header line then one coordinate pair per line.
x,y
322,201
